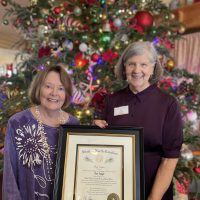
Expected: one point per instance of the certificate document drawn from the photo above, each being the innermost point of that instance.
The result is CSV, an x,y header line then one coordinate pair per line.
x,y
99,164
99,172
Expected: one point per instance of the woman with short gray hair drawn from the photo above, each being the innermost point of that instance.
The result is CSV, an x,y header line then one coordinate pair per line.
x,y
143,104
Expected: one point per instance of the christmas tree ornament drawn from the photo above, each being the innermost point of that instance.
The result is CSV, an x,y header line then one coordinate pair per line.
x,y
182,187
4,3
104,39
124,38
182,29
83,47
67,44
61,27
77,11
143,19
42,30
51,19
44,51
191,116
71,22
186,154
115,54
117,22
53,43
57,10
106,27
197,170
117,45
5,22
170,64
94,57
9,67
28,23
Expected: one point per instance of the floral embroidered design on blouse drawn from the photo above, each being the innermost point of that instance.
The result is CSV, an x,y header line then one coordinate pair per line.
x,y
31,152
29,145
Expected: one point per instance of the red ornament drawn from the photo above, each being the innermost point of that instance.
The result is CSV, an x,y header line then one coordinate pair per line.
x,y
143,19
9,67
51,20
197,170
57,10
94,57
183,186
44,51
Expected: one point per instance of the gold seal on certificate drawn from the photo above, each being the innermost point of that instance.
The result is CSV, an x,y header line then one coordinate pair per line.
x,y
113,196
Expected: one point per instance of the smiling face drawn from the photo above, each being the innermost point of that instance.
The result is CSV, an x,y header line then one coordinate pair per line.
x,y
52,93
138,70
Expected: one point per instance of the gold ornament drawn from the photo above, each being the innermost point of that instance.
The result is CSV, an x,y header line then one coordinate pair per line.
x,y
182,29
170,64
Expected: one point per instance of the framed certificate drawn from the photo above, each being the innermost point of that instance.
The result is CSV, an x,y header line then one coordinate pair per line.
x,y
98,164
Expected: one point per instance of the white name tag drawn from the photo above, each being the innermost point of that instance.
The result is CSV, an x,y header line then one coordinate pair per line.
x,y
123,110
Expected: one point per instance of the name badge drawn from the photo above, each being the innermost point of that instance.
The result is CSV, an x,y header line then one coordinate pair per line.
x,y
123,110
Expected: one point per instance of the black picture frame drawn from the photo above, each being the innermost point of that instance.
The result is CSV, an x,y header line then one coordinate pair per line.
x,y
134,136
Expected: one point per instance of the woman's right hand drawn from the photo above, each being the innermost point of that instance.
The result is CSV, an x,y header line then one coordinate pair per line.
x,y
100,123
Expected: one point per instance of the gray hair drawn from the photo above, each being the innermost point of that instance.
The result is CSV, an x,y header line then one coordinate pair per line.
x,y
139,48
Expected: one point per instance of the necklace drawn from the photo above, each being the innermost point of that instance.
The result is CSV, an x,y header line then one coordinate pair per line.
x,y
42,133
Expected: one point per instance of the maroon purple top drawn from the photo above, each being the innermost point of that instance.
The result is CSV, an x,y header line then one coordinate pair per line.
x,y
159,114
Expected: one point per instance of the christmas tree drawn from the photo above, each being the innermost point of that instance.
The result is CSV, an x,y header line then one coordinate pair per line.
x,y
87,37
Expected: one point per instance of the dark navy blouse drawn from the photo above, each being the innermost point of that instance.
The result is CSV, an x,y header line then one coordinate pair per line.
x,y
159,114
